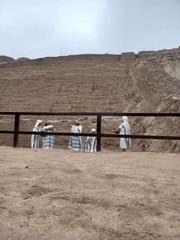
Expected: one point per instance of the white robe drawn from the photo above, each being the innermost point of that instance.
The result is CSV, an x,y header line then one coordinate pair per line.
x,y
35,139
75,142
124,143
92,144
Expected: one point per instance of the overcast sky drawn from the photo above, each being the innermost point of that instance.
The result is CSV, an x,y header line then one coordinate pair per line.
x,y
39,28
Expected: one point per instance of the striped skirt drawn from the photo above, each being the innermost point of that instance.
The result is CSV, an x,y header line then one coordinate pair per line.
x,y
75,142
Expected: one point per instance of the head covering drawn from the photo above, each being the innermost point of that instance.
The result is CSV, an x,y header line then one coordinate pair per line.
x,y
48,127
124,118
38,122
93,130
76,121
126,122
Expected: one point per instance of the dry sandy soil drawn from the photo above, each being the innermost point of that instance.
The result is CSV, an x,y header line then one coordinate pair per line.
x,y
73,196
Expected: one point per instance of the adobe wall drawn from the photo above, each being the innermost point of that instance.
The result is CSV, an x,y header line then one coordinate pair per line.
x,y
131,56
127,56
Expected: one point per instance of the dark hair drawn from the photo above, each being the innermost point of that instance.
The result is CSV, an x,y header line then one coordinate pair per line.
x,y
47,123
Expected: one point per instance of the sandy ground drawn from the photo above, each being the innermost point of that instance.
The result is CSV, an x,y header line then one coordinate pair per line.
x,y
73,196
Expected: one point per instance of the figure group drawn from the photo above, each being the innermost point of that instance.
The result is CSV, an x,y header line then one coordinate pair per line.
x,y
48,141
75,142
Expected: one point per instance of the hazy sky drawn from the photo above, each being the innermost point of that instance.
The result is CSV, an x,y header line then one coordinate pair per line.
x,y
38,28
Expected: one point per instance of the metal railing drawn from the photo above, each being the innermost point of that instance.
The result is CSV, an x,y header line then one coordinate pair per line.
x,y
16,132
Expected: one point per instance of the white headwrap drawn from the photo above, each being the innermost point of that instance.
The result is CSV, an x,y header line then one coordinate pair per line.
x,y
126,122
48,127
38,122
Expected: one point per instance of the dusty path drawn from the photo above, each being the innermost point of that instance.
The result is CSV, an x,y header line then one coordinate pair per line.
x,y
80,196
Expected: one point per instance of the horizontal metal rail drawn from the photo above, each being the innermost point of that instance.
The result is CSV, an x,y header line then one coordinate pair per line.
x,y
103,114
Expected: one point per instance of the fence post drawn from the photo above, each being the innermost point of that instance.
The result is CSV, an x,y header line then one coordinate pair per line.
x,y
16,129
99,132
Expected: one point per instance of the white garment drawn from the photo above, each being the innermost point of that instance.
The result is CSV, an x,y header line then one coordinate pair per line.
x,y
75,142
124,128
92,144
35,139
76,129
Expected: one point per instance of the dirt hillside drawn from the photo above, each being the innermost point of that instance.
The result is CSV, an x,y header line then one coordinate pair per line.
x,y
143,82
